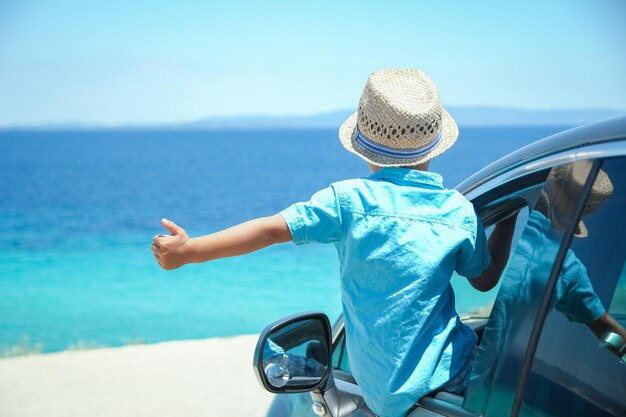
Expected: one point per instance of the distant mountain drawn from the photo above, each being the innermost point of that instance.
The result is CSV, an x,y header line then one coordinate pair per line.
x,y
509,116
464,116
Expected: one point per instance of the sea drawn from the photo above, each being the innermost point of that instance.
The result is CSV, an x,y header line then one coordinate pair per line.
x,y
79,209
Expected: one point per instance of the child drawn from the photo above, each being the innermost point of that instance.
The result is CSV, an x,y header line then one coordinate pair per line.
x,y
399,235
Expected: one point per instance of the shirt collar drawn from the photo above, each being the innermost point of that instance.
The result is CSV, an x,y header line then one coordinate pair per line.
x,y
408,176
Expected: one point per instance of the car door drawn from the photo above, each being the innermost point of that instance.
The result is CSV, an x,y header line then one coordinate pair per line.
x,y
546,349
578,366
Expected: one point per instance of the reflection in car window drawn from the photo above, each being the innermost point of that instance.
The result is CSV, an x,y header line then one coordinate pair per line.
x,y
499,366
577,369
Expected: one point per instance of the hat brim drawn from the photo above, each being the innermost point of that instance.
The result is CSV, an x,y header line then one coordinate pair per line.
x,y
581,231
449,134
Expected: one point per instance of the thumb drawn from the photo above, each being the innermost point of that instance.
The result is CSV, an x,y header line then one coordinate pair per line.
x,y
172,227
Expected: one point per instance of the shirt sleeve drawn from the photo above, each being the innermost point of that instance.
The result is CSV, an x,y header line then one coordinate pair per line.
x,y
317,220
473,256
574,292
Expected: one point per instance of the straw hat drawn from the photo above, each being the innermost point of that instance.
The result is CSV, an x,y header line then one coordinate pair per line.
x,y
571,180
400,120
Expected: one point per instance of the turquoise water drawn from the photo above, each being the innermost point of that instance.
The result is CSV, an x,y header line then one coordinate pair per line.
x,y
78,211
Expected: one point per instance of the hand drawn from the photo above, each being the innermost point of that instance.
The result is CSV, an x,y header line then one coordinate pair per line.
x,y
173,251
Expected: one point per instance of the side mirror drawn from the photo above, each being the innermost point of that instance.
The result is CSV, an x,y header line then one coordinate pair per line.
x,y
293,354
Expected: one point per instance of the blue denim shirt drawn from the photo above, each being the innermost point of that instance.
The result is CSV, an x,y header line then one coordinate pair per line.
x,y
400,236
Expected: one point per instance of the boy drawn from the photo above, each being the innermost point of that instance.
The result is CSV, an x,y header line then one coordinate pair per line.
x,y
399,234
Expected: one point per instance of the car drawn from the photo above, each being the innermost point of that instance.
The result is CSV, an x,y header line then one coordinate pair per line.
x,y
553,342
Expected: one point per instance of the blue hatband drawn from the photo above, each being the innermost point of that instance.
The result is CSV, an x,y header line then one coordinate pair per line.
x,y
403,153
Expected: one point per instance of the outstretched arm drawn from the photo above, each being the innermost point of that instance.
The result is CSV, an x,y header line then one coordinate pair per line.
x,y
174,251
499,246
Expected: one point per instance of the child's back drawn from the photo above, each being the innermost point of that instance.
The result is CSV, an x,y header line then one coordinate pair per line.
x,y
399,236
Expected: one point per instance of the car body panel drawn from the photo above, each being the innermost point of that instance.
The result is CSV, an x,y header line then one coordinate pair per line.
x,y
564,147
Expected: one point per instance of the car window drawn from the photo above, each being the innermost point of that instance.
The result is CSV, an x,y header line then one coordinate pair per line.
x,y
340,355
501,359
469,301
578,368
492,207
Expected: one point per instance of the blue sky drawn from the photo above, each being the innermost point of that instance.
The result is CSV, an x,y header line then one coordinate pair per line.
x,y
115,62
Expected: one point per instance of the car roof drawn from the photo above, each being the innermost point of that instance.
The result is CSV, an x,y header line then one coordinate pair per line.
x,y
593,134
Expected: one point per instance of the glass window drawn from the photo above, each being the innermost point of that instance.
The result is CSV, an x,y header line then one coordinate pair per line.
x,y
493,207
577,369
501,355
469,301
340,355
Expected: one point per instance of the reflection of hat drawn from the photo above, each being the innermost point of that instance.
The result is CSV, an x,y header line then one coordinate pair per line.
x,y
400,120
601,189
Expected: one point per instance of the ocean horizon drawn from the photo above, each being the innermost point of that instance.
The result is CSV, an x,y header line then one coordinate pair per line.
x,y
79,209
